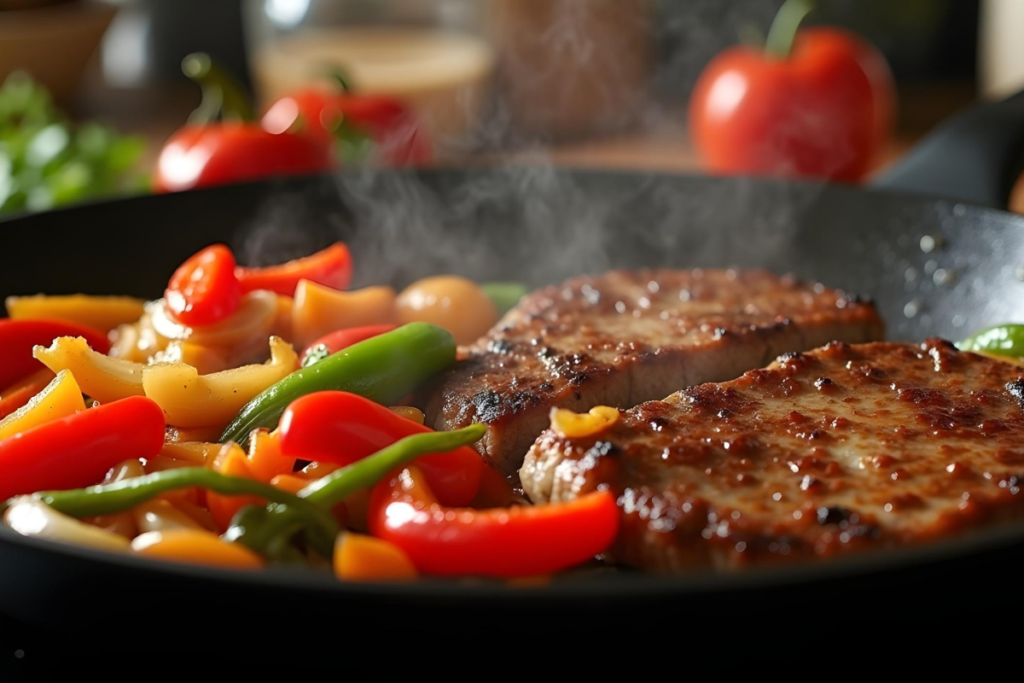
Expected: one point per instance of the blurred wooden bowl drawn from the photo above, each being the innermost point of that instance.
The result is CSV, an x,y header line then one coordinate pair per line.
x,y
53,43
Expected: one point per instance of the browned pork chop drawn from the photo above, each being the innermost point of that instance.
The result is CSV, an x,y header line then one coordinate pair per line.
x,y
632,336
840,449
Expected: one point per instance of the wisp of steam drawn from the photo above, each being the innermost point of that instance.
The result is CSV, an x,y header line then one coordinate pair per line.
x,y
516,216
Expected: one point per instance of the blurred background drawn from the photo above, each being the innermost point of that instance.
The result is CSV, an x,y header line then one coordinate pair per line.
x,y
578,82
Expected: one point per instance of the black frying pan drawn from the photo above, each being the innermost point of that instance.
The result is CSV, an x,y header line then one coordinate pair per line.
x,y
935,266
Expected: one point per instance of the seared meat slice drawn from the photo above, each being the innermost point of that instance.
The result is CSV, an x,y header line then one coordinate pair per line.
x,y
632,336
837,450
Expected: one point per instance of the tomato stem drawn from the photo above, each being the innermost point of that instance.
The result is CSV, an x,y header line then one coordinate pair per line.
x,y
224,98
340,78
784,28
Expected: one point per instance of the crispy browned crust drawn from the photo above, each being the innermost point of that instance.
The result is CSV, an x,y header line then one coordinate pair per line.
x,y
838,450
631,336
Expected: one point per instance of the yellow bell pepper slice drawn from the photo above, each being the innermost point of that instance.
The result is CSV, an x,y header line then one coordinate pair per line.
x,y
572,425
102,378
319,310
60,398
189,399
102,312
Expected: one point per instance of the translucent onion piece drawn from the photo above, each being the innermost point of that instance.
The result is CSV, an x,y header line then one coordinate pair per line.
x,y
254,318
31,517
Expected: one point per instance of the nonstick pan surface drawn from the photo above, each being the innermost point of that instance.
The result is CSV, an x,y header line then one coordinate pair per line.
x,y
935,267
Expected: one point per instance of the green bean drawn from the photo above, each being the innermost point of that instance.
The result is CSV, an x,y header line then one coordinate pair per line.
x,y
119,496
384,369
330,490
265,531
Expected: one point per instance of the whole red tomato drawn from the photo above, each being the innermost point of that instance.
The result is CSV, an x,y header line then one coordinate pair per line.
x,y
825,111
232,152
398,137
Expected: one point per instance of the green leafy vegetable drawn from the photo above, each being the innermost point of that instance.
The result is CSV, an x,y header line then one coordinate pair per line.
x,y
46,162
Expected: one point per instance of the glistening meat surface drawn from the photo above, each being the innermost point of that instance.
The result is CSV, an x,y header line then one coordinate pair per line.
x,y
631,336
838,450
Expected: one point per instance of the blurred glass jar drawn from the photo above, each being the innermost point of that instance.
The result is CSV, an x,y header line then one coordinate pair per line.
x,y
573,68
432,54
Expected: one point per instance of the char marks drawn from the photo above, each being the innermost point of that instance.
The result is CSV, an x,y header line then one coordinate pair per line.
x,y
631,336
838,450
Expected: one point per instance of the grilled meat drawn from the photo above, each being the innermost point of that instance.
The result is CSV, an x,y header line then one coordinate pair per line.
x,y
841,449
632,336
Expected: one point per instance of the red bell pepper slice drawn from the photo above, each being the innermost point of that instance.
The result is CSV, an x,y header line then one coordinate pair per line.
x,y
503,543
342,339
17,337
341,428
204,289
331,267
77,450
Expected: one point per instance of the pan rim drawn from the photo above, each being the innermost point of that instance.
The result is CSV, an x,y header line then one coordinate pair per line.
x,y
626,585
623,586
298,179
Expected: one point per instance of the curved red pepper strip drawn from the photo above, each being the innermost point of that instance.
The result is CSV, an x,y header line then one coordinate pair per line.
x,y
503,543
76,451
342,339
18,337
341,428
331,267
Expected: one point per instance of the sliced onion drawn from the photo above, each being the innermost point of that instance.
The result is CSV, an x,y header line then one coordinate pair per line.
x,y
31,517
254,318
160,515
129,469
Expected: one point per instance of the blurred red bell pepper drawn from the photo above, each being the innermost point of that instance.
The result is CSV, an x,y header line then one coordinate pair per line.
x,y
341,428
77,450
204,289
328,117
18,337
342,339
331,267
236,148
815,103
505,542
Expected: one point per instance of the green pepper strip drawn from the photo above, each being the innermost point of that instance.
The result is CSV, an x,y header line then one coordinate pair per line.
x,y
263,531
340,484
384,369
1002,340
123,495
107,499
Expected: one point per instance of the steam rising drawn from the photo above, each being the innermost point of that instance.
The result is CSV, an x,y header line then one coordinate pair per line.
x,y
523,220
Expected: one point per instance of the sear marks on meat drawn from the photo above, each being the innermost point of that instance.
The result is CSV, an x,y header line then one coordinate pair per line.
x,y
838,450
631,336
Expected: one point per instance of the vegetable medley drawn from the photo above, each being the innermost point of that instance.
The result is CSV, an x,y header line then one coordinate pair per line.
x,y
262,415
